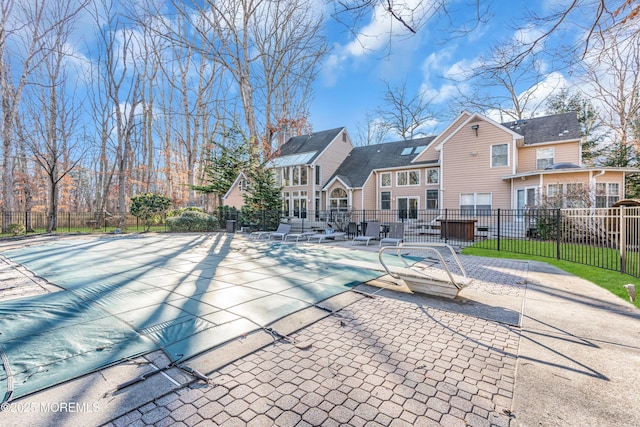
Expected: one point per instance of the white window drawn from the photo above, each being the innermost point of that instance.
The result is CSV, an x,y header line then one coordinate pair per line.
x,y
385,200
338,199
286,176
544,157
385,179
554,190
401,179
432,199
607,194
407,208
285,203
278,177
433,176
475,203
570,195
499,155
299,175
299,199
243,185
407,178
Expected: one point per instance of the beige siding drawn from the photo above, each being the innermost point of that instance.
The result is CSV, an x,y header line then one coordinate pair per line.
x,y
372,189
583,177
564,152
329,160
467,167
234,198
586,178
368,197
333,156
430,153
357,200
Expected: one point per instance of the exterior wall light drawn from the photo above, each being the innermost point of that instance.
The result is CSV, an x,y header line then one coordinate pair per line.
x,y
475,127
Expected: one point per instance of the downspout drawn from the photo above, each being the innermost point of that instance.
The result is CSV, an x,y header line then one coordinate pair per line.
x,y
593,187
312,196
514,169
441,179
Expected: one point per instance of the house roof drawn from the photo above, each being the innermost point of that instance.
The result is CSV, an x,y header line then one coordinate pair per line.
x,y
304,149
361,161
557,127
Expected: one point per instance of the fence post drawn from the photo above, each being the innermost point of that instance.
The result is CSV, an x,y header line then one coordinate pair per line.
x,y
623,240
558,229
446,225
499,231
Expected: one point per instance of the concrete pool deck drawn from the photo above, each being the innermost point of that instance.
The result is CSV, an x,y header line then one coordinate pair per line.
x,y
526,345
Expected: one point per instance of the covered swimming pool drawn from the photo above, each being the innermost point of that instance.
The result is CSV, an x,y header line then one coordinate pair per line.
x,y
124,296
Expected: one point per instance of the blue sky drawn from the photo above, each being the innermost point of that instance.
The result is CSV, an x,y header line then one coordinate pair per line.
x,y
351,80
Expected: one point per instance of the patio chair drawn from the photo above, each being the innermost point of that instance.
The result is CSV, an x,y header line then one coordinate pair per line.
x,y
352,229
396,234
371,233
421,274
282,228
299,236
329,234
281,232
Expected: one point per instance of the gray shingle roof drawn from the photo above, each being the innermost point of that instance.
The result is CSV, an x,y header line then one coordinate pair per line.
x,y
362,160
558,127
316,141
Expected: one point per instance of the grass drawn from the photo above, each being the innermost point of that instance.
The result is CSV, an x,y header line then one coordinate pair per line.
x,y
602,257
612,281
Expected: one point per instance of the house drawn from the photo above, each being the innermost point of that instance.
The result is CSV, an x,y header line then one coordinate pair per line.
x,y
473,166
302,166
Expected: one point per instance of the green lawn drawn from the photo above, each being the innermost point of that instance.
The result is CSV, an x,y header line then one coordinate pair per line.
x,y
612,281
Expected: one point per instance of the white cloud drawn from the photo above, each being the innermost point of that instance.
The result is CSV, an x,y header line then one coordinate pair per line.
x,y
538,94
527,35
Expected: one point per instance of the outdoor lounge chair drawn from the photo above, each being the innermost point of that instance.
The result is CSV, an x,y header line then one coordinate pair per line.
x,y
299,236
327,235
281,232
396,234
282,228
371,233
422,276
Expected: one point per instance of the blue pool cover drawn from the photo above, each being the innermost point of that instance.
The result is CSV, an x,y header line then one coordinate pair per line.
x,y
184,294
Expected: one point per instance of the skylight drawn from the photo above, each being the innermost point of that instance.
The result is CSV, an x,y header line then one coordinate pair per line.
x,y
412,150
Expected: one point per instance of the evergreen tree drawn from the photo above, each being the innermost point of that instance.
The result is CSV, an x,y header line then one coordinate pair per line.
x,y
590,125
224,165
263,193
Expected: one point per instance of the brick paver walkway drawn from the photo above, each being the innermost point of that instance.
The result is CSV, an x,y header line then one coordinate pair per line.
x,y
380,361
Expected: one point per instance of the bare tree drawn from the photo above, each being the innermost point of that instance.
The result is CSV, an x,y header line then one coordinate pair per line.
x,y
22,27
404,113
370,131
611,72
52,109
289,36
270,49
497,87
559,17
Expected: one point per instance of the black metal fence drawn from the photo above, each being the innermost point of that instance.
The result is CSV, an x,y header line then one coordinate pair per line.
x,y
607,238
21,223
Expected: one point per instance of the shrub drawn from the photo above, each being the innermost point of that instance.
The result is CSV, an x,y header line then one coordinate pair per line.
x,y
16,229
191,220
178,212
149,207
